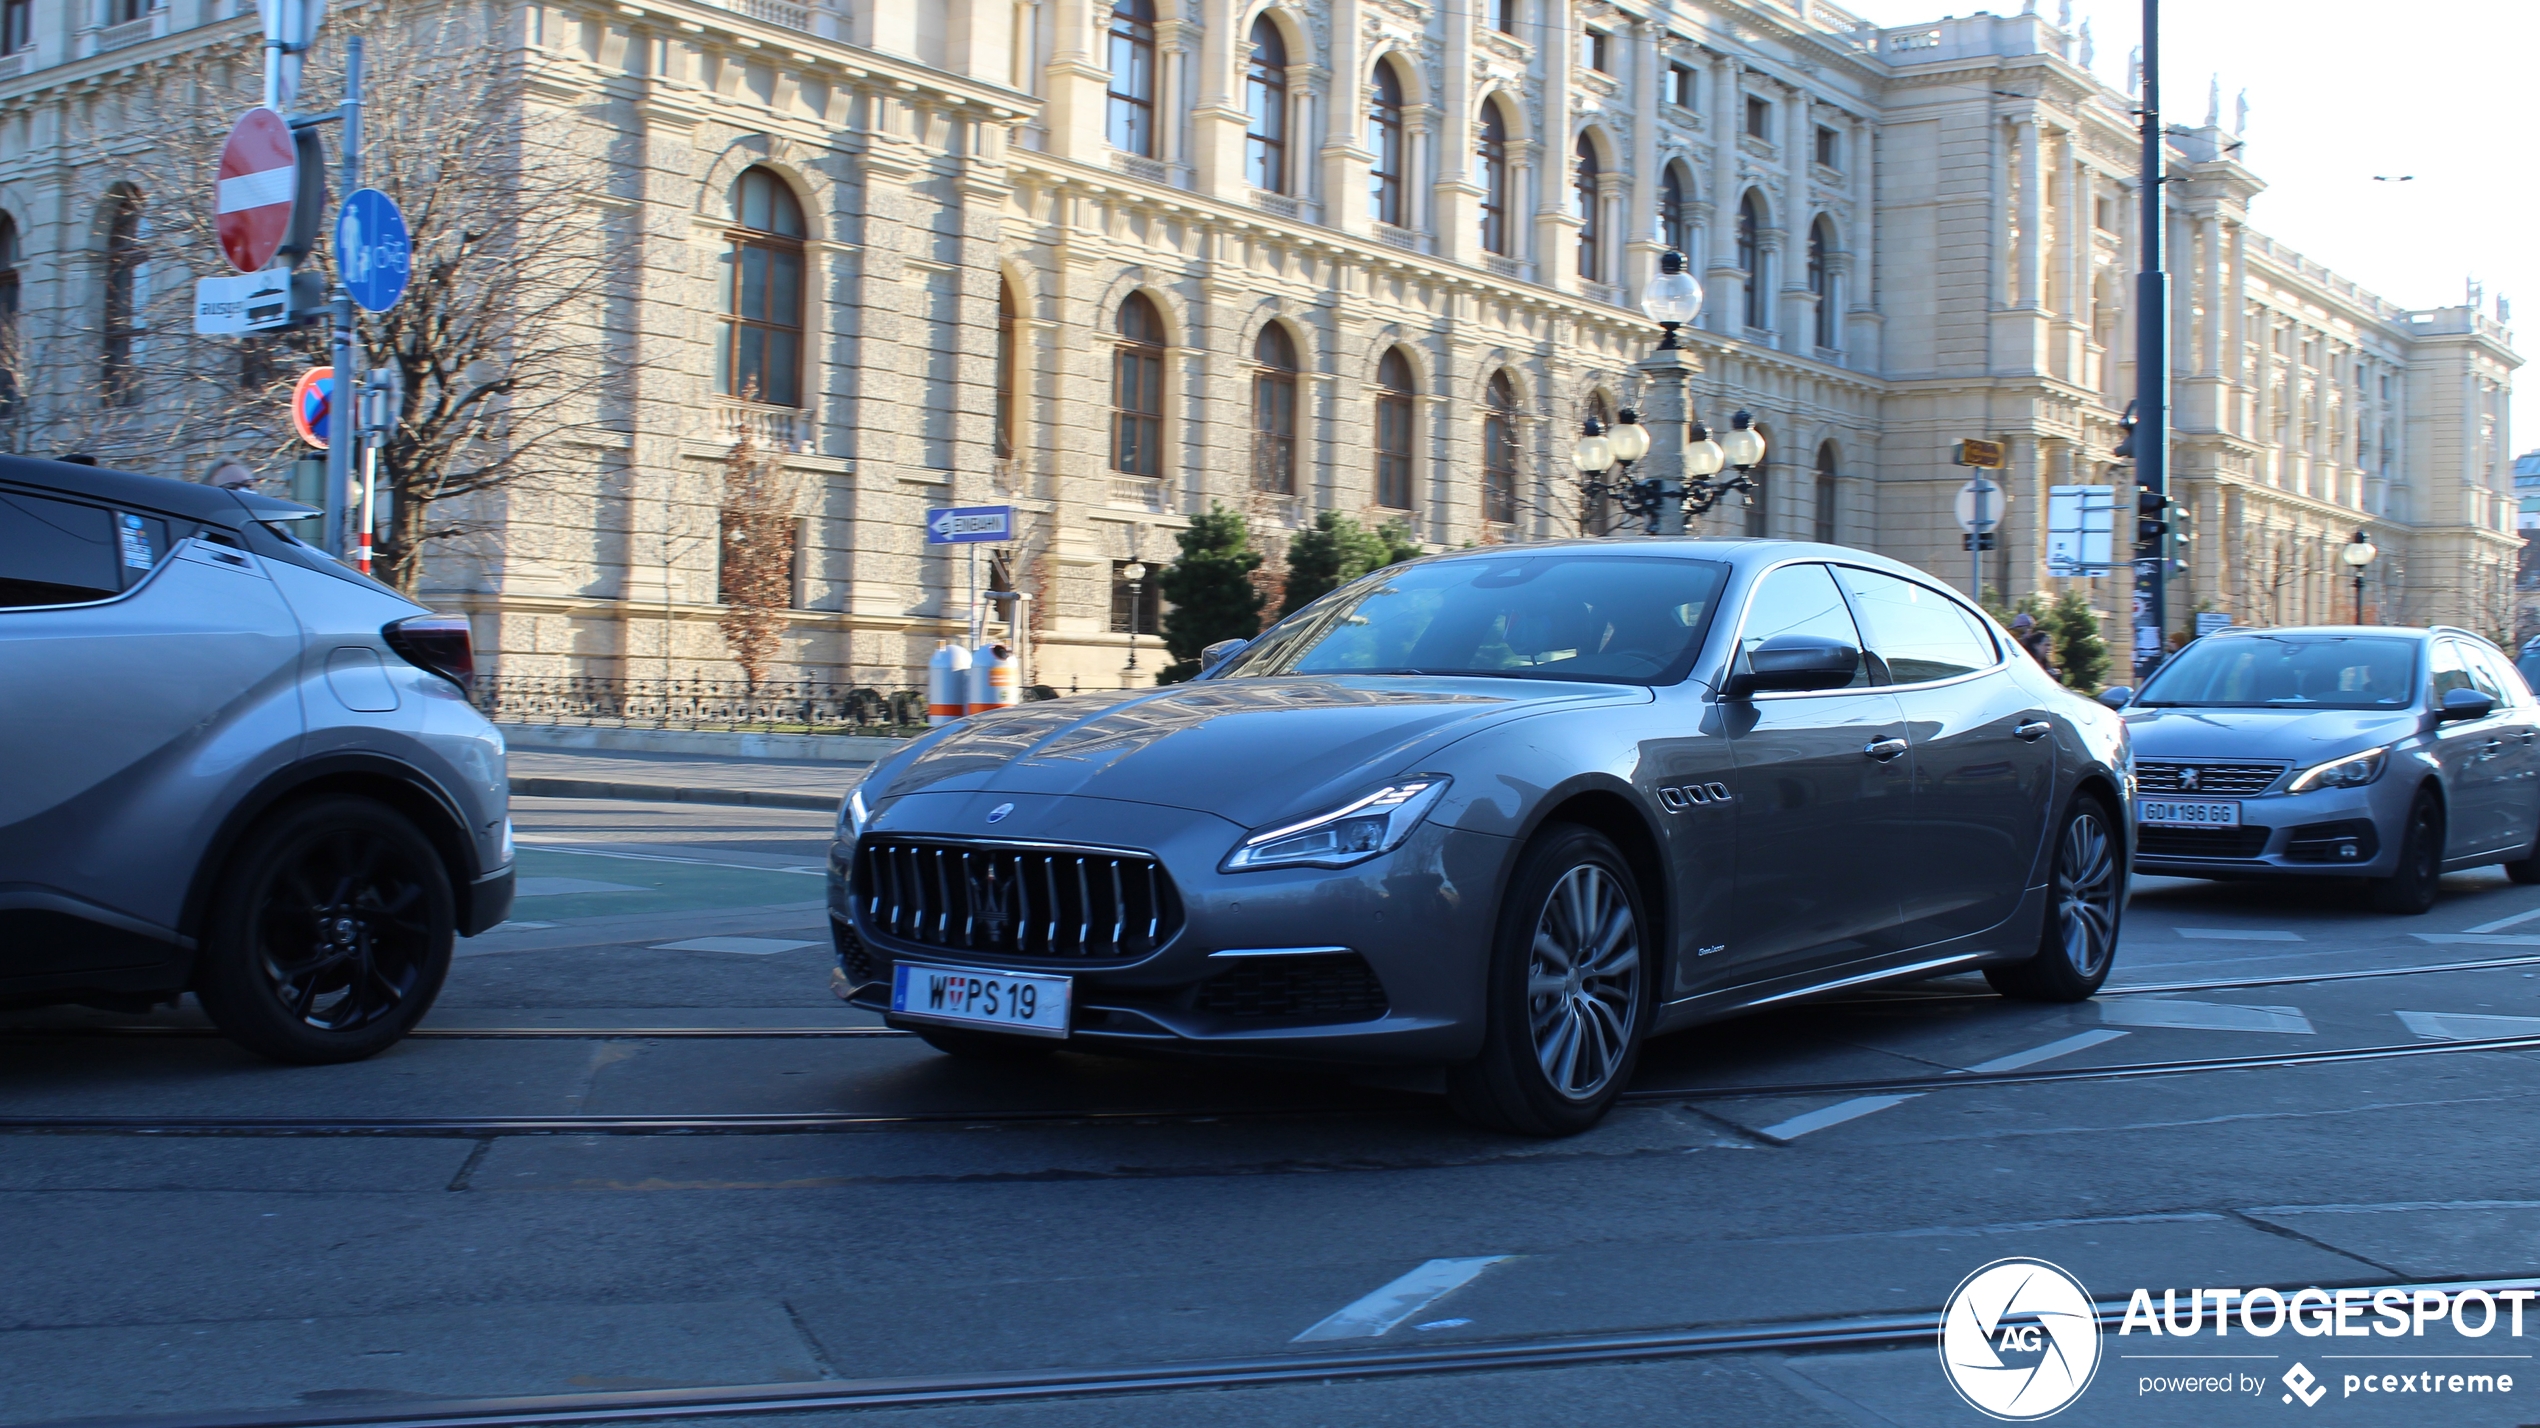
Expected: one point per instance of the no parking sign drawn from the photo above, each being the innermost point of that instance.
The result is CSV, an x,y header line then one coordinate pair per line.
x,y
312,403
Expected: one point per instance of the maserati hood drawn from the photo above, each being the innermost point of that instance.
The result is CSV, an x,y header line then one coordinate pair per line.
x,y
2302,736
1245,749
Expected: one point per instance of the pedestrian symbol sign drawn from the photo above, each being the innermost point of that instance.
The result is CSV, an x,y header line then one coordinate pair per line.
x,y
373,254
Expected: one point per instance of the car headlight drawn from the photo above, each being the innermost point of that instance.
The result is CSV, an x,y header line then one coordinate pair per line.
x,y
2352,771
1352,833
853,815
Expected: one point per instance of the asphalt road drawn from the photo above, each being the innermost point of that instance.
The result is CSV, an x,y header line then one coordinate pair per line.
x,y
1817,1172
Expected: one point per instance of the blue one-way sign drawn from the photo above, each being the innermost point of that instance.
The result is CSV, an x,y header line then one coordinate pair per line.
x,y
954,525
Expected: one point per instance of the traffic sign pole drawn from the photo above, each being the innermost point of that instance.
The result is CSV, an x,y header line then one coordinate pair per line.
x,y
342,454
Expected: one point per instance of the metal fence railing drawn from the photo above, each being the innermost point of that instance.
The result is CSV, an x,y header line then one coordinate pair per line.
x,y
787,708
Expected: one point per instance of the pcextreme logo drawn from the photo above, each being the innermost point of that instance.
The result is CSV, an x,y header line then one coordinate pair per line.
x,y
2019,1339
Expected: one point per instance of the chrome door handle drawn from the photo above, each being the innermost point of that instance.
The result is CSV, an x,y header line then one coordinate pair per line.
x,y
1884,750
2034,729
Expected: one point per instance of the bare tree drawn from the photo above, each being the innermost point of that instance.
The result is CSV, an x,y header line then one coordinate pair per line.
x,y
757,573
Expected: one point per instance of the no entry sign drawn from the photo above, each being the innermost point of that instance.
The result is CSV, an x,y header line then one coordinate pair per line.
x,y
257,183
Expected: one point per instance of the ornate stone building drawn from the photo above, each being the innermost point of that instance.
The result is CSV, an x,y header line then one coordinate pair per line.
x,y
1113,262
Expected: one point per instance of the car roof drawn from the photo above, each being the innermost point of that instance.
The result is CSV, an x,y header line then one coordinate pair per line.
x,y
1745,551
2403,632
151,493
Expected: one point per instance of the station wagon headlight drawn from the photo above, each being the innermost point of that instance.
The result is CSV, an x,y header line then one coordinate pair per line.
x,y
1352,833
2352,771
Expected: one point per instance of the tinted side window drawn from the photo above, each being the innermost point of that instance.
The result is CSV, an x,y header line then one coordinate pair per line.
x,y
55,552
1801,600
1922,634
2492,677
2508,676
2450,670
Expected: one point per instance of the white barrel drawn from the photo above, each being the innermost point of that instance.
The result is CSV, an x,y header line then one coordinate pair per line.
x,y
992,678
947,684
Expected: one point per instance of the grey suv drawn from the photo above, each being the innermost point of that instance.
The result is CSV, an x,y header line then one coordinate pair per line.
x,y
230,765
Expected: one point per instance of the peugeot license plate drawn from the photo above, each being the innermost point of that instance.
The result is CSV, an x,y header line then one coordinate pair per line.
x,y
2174,813
972,996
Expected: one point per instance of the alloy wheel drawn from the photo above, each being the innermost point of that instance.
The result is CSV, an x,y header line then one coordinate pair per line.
x,y
1583,980
343,931
2086,891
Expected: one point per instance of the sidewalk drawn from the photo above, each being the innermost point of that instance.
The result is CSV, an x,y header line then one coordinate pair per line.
x,y
679,778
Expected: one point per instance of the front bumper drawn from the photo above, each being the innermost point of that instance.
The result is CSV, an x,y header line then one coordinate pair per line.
x,y
2338,832
1381,963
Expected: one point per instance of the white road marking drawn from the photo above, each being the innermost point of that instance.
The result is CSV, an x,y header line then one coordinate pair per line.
x,y
565,887
1833,1115
2444,938
2500,924
2204,1016
2048,1052
1372,1316
2468,1026
2238,934
746,946
1860,1106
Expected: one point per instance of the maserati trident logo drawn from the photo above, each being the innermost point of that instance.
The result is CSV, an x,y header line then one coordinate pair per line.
x,y
2020,1339
998,813
989,898
2187,780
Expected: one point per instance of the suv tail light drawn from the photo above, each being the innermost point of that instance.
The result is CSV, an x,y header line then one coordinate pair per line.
x,y
439,643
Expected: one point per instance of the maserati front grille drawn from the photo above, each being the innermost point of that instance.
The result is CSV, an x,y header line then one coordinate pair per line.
x,y
1017,900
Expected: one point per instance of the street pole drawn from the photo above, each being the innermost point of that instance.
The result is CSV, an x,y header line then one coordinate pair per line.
x,y
1667,370
2151,360
343,433
1975,545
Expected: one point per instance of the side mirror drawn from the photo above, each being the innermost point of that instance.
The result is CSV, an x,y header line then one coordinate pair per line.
x,y
2117,697
1788,663
1219,653
2464,704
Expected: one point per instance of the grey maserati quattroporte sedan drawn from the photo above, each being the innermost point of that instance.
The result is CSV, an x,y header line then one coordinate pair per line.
x,y
1505,813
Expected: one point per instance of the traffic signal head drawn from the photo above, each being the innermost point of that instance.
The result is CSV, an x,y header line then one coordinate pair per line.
x,y
2125,444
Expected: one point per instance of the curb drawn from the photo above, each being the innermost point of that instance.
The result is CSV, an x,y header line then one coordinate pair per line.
x,y
535,787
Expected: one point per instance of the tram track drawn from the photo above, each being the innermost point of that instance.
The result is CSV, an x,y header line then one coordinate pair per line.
x,y
1026,1385
830,1122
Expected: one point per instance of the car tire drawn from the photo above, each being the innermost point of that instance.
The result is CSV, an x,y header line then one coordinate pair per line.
x,y
2526,869
1560,1042
330,933
2085,903
988,1045
2411,890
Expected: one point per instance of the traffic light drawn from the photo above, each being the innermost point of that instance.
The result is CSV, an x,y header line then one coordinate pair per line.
x,y
2125,444
2152,511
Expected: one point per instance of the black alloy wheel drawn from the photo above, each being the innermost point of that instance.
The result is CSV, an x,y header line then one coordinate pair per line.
x,y
331,934
2412,887
2085,905
1569,994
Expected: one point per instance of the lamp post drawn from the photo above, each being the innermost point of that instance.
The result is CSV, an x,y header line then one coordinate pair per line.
x,y
1135,572
1672,299
1601,449
2358,554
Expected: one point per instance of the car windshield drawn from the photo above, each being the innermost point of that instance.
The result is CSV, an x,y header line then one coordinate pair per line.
x,y
1551,615
2289,672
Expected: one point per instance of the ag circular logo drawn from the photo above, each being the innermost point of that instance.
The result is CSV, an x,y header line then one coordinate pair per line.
x,y
2019,1339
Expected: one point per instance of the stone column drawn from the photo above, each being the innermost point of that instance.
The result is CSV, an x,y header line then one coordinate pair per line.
x,y
1556,228
1863,321
1641,245
1218,121
1455,201
1665,410
2032,213
1076,82
1724,281
1346,159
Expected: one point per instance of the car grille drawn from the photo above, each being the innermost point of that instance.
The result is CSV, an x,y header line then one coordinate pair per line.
x,y
1335,987
2247,842
2221,780
1021,901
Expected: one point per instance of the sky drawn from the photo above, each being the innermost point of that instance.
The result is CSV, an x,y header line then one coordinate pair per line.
x,y
2339,91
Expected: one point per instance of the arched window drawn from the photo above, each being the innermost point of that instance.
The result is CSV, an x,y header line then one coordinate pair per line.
x,y
1132,115
1591,225
1274,412
119,377
1499,450
1675,212
1821,280
1266,105
1009,367
762,353
1393,431
1490,154
1750,256
1826,493
1137,391
1384,140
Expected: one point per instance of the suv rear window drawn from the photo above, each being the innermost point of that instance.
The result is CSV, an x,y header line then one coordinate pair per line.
x,y
67,553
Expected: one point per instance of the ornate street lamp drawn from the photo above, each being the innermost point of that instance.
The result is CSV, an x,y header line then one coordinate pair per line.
x,y
1741,446
2358,554
1135,572
1671,300
1602,449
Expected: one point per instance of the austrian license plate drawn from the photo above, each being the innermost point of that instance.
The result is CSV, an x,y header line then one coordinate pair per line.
x,y
970,996
2173,813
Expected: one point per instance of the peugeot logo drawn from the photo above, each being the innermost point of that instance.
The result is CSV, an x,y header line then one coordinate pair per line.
x,y
2187,780
998,813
